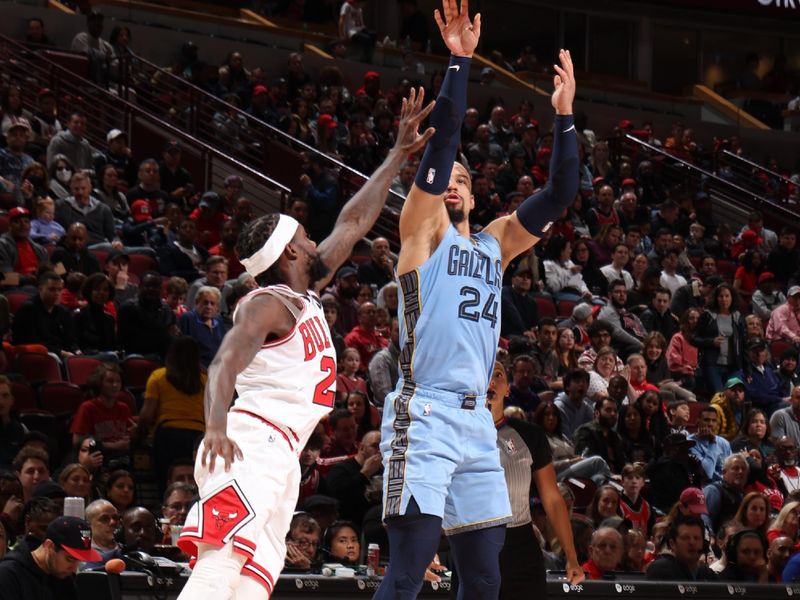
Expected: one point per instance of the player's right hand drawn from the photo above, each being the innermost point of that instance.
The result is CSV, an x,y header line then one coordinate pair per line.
x,y
217,443
459,35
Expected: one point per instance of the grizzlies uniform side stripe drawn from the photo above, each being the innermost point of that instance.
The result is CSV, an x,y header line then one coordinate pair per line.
x,y
409,286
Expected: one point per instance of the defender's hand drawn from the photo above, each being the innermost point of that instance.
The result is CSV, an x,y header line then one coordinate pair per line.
x,y
412,114
218,444
459,35
564,84
575,574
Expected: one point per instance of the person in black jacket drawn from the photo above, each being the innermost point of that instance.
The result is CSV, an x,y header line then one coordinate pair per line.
x,y
39,573
183,257
685,538
94,327
350,480
519,310
147,324
719,336
599,438
12,432
71,252
41,320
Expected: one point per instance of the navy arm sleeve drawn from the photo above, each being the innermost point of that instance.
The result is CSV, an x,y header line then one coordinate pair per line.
x,y
433,174
538,212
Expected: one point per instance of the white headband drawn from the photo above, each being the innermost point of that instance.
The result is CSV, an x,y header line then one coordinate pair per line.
x,y
271,251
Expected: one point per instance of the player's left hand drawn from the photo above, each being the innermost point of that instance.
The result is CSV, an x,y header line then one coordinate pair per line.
x,y
412,114
564,84
575,574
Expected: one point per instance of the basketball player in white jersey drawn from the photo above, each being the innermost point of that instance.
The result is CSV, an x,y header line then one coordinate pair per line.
x,y
279,358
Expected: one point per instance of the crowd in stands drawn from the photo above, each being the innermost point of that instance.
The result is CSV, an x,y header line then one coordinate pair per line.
x,y
655,346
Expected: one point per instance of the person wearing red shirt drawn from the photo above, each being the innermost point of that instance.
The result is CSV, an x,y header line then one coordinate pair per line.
x,y
227,248
104,417
364,337
209,219
605,553
18,254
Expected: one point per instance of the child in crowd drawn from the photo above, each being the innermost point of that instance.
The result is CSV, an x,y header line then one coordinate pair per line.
x,y
347,380
633,505
71,293
678,415
177,289
45,230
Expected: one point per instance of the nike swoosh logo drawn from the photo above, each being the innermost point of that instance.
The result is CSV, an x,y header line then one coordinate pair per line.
x,y
456,67
571,128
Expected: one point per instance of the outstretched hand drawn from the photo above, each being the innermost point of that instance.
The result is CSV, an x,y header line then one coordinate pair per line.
x,y
219,444
412,114
459,34
564,84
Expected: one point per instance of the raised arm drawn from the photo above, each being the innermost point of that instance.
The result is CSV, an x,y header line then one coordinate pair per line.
x,y
522,229
256,319
362,210
424,218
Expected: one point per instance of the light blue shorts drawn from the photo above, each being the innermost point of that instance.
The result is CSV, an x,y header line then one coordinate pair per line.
x,y
441,448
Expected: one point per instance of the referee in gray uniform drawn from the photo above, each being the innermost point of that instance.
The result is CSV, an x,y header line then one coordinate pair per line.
x,y
525,455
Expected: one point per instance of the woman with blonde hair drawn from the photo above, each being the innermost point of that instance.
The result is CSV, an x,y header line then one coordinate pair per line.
x,y
786,523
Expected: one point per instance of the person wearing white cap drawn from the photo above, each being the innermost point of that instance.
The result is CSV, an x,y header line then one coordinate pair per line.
x,y
784,323
279,358
118,153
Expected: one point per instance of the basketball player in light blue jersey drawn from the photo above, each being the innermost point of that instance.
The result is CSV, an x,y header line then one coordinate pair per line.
x,y
442,467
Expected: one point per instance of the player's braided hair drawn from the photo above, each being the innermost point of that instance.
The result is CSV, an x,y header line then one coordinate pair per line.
x,y
252,239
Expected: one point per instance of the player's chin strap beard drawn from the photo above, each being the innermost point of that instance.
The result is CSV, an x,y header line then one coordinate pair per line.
x,y
266,256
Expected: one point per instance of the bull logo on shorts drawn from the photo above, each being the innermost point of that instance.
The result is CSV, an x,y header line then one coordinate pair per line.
x,y
225,512
220,519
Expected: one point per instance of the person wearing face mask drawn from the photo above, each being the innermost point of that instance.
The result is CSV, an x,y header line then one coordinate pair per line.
x,y
60,171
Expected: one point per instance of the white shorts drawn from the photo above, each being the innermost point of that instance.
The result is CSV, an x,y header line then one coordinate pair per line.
x,y
252,504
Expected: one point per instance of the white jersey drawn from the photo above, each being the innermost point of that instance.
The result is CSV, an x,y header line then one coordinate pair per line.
x,y
291,382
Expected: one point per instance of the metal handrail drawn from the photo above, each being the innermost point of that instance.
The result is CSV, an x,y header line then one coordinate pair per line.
x,y
784,182
735,194
137,75
51,74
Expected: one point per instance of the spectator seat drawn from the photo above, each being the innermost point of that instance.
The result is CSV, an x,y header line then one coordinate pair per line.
x,y
136,371
38,367
24,397
80,368
545,306
60,398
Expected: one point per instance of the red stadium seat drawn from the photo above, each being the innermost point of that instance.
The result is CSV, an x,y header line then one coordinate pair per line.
x,y
61,398
136,371
101,256
24,396
80,368
17,299
141,264
545,305
584,490
128,398
37,367
727,269
565,307
777,347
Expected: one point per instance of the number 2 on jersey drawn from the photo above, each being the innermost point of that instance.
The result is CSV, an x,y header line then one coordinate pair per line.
x,y
473,299
323,394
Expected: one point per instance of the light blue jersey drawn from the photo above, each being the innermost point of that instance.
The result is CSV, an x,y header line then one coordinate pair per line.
x,y
437,437
450,315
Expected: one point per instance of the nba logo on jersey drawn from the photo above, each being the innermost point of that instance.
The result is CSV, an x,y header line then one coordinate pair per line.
x,y
510,448
426,410
431,175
